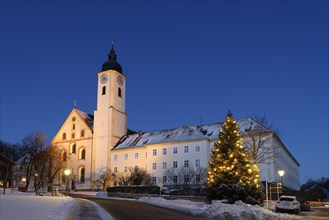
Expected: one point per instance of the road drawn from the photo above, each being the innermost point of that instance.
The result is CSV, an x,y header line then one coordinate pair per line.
x,y
316,214
124,209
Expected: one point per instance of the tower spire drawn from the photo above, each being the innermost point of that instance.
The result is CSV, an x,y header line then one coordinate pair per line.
x,y
111,63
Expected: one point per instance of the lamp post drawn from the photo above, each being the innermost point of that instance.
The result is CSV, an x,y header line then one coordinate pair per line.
x,y
36,183
67,172
281,173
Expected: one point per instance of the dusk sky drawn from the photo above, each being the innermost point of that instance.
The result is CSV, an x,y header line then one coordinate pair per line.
x,y
186,63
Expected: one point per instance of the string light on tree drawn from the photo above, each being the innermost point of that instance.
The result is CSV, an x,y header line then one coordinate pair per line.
x,y
230,167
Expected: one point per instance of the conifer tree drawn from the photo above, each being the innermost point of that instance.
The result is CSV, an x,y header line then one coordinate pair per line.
x,y
231,174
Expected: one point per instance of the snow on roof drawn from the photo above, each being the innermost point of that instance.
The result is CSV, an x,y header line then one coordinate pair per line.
x,y
181,134
88,118
23,159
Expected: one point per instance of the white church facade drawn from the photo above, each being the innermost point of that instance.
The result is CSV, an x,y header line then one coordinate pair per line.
x,y
90,144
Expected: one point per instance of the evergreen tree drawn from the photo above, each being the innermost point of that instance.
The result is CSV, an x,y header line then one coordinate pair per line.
x,y
231,174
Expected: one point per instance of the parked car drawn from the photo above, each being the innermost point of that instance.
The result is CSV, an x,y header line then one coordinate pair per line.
x,y
304,205
288,204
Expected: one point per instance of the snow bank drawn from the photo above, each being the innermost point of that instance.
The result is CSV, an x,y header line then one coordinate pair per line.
x,y
242,211
187,206
101,195
219,209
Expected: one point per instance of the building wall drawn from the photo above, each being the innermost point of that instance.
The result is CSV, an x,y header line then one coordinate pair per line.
x,y
74,124
268,169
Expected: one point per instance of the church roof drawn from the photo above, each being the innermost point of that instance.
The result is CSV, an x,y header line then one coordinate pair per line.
x,y
183,133
88,118
111,63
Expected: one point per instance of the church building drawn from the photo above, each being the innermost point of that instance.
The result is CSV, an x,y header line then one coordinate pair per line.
x,y
92,144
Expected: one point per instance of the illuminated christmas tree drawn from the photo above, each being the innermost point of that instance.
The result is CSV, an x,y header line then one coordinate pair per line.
x,y
231,174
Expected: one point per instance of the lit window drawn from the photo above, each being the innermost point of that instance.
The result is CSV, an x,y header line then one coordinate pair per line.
x,y
82,175
185,163
154,152
164,179
197,148
126,156
164,165
175,150
185,149
154,166
197,163
175,165
115,157
136,155
164,151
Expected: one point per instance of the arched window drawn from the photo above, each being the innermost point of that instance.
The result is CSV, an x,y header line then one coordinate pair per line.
x,y
104,90
119,92
64,156
82,175
82,154
73,148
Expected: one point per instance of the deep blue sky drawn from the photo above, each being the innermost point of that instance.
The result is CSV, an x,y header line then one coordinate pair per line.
x,y
182,59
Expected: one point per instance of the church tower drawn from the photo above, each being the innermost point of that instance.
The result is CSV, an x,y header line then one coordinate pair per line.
x,y
110,118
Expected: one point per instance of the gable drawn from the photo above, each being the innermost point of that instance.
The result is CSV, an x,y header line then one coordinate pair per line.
x,y
78,125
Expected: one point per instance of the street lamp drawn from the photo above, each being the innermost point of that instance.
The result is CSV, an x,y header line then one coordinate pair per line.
x,y
67,172
36,183
281,173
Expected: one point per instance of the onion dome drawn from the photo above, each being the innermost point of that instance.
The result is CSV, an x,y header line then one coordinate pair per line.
x,y
111,63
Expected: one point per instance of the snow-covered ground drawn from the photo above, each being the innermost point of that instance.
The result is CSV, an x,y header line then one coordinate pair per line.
x,y
19,206
29,206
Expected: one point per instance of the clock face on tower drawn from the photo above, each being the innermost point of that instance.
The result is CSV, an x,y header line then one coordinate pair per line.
x,y
104,79
120,80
